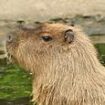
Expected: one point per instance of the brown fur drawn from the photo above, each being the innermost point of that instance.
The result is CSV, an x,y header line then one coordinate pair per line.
x,y
63,73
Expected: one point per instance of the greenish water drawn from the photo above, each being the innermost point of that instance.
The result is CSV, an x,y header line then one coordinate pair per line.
x,y
101,52
15,84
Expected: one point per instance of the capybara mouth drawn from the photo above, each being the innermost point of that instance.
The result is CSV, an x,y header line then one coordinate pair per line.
x,y
10,58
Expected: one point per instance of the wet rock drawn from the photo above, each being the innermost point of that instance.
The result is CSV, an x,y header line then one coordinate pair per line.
x,y
91,24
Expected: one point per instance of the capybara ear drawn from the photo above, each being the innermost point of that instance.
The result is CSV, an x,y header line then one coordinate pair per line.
x,y
69,35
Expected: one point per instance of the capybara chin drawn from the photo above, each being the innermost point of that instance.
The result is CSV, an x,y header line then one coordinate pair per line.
x,y
63,63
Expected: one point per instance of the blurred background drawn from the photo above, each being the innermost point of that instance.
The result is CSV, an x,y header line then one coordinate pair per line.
x,y
15,84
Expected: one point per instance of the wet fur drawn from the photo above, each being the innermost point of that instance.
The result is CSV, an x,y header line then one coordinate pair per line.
x,y
63,74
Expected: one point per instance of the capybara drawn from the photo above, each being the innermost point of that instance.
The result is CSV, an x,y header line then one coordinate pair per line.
x,y
63,63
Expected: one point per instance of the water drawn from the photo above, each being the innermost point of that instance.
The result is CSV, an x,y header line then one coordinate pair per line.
x,y
15,86
19,101
101,52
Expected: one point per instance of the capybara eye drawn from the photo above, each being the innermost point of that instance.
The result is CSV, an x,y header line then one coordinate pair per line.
x,y
69,36
46,38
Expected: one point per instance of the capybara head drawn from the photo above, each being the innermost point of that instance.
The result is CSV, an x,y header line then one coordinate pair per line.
x,y
63,62
39,46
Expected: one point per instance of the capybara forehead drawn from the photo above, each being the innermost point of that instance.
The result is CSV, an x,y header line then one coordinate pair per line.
x,y
53,29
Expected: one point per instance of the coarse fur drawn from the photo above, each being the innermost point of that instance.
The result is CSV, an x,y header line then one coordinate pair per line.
x,y
63,73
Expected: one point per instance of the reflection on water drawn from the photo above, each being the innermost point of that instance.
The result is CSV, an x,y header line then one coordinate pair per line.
x,y
20,101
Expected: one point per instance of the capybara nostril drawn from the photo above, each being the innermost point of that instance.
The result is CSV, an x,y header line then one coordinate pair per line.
x,y
10,38
69,36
